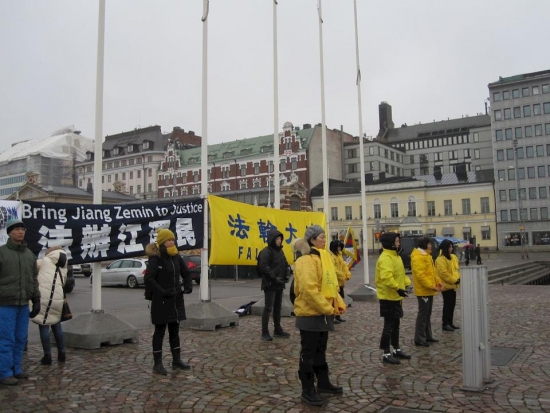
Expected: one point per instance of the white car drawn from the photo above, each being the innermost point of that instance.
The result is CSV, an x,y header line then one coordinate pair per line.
x,y
126,272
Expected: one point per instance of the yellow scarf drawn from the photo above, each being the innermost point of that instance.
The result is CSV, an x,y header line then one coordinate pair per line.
x,y
329,287
173,250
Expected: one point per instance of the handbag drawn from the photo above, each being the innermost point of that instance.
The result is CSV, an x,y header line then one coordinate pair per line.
x,y
66,313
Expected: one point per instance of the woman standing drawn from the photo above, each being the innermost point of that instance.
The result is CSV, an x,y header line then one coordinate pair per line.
x,y
391,282
317,302
342,271
446,268
426,285
165,272
52,275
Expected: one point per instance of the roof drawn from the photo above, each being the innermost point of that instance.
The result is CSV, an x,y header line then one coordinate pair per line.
x,y
71,191
241,148
471,177
137,137
519,78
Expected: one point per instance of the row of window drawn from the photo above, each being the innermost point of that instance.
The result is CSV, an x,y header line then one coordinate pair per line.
x,y
131,148
532,172
517,93
119,164
534,214
13,180
528,151
541,193
438,142
411,209
522,111
521,132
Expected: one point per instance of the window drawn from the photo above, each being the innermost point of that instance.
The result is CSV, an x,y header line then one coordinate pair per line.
x,y
512,194
546,107
485,209
538,130
525,92
544,213
145,144
547,128
243,170
466,153
526,111
412,209
477,154
545,88
282,165
485,233
535,90
195,176
453,155
394,209
243,184
541,171
500,155
501,175
528,131
532,193
498,135
530,152
348,213
510,153
508,134
139,189
448,207
476,137
511,174
518,132
523,193
353,168
334,213
256,168
504,215
534,214
150,187
530,172
438,156
139,173
431,208
506,95
536,109
108,178
352,153
498,114
543,194
515,93
517,112
466,210
521,173
502,195
507,113
496,97
377,211
294,163
540,150
513,215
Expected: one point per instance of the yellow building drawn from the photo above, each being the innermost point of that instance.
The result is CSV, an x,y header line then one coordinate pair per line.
x,y
446,205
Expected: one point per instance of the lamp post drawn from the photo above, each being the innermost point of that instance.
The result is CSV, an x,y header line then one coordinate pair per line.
x,y
524,253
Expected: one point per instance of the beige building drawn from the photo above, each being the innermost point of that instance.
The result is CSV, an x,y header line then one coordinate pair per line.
x,y
452,205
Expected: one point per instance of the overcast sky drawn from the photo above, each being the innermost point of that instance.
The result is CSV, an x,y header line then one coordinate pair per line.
x,y
430,59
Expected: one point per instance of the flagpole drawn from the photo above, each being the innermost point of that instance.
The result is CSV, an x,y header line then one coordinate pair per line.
x,y
323,126
204,286
277,190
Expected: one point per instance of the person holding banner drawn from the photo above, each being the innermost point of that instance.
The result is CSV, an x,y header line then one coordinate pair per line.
x,y
275,272
163,277
18,277
342,271
52,274
317,302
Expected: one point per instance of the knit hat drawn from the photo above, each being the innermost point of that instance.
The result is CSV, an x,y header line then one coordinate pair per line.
x,y
14,223
388,240
164,235
313,232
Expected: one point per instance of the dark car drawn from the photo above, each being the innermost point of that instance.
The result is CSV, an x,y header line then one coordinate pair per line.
x,y
193,263
69,282
410,243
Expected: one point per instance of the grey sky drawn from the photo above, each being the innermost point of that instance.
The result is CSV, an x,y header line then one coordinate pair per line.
x,y
430,59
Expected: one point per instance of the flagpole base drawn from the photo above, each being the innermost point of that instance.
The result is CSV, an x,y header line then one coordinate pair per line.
x,y
364,293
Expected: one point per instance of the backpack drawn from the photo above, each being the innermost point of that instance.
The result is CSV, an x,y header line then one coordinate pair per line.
x,y
245,309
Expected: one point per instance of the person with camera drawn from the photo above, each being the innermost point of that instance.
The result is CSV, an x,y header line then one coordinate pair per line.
x,y
166,272
275,272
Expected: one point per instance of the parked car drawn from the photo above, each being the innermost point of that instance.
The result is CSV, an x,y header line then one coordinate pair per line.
x,y
194,266
69,282
125,272
84,269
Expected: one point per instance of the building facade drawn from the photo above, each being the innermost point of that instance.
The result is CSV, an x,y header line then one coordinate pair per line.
x,y
520,110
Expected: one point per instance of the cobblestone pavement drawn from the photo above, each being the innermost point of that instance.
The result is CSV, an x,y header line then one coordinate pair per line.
x,y
234,371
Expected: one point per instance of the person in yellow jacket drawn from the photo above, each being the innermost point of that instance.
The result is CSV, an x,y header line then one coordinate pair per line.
x,y
342,271
317,302
426,284
446,268
391,284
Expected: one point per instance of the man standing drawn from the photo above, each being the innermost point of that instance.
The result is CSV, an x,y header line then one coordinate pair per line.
x,y
18,277
273,267
477,250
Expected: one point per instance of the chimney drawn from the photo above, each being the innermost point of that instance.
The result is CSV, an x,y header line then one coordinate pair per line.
x,y
306,126
385,116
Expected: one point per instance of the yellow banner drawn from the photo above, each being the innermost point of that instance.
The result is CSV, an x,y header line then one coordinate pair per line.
x,y
239,231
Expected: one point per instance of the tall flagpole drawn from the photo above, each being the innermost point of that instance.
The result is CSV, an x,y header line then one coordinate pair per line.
x,y
98,145
323,126
204,290
277,190
361,155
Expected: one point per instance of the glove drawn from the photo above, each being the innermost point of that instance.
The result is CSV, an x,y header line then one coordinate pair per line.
x,y
188,290
402,293
457,282
35,307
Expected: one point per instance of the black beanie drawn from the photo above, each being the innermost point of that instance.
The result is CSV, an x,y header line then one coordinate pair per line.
x,y
388,240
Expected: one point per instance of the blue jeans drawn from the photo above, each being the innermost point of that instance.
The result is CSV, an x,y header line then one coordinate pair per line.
x,y
45,337
14,327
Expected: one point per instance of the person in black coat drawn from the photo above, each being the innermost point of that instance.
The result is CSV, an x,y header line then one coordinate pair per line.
x,y
273,267
163,277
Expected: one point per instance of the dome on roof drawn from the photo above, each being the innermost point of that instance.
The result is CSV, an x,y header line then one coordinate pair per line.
x,y
288,125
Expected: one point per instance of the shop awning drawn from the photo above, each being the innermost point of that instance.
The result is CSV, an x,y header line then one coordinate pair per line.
x,y
430,232
448,231
486,228
466,230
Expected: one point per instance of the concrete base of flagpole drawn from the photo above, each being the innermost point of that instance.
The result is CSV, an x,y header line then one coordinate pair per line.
x,y
348,300
209,316
364,293
90,331
287,308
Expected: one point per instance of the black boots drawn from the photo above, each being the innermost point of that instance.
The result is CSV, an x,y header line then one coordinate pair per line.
x,y
309,395
177,362
46,360
323,382
158,368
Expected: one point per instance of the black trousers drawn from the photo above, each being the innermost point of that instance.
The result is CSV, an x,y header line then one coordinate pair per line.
x,y
390,334
273,302
449,303
314,349
173,336
423,327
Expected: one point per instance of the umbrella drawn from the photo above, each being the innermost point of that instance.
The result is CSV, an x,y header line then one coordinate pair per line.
x,y
452,239
469,246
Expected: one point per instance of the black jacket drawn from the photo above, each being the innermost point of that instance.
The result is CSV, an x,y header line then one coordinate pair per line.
x,y
164,277
272,264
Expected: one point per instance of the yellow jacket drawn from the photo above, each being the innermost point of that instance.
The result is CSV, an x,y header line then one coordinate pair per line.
x,y
342,271
447,271
308,278
390,276
425,281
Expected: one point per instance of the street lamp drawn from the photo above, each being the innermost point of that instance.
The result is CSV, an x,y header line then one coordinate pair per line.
x,y
524,253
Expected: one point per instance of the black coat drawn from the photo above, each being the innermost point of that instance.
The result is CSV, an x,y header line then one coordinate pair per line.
x,y
272,264
164,276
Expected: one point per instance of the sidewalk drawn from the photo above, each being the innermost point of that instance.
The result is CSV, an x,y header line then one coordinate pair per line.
x,y
234,371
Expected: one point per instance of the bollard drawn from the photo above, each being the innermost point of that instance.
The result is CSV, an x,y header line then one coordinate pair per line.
x,y
476,357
